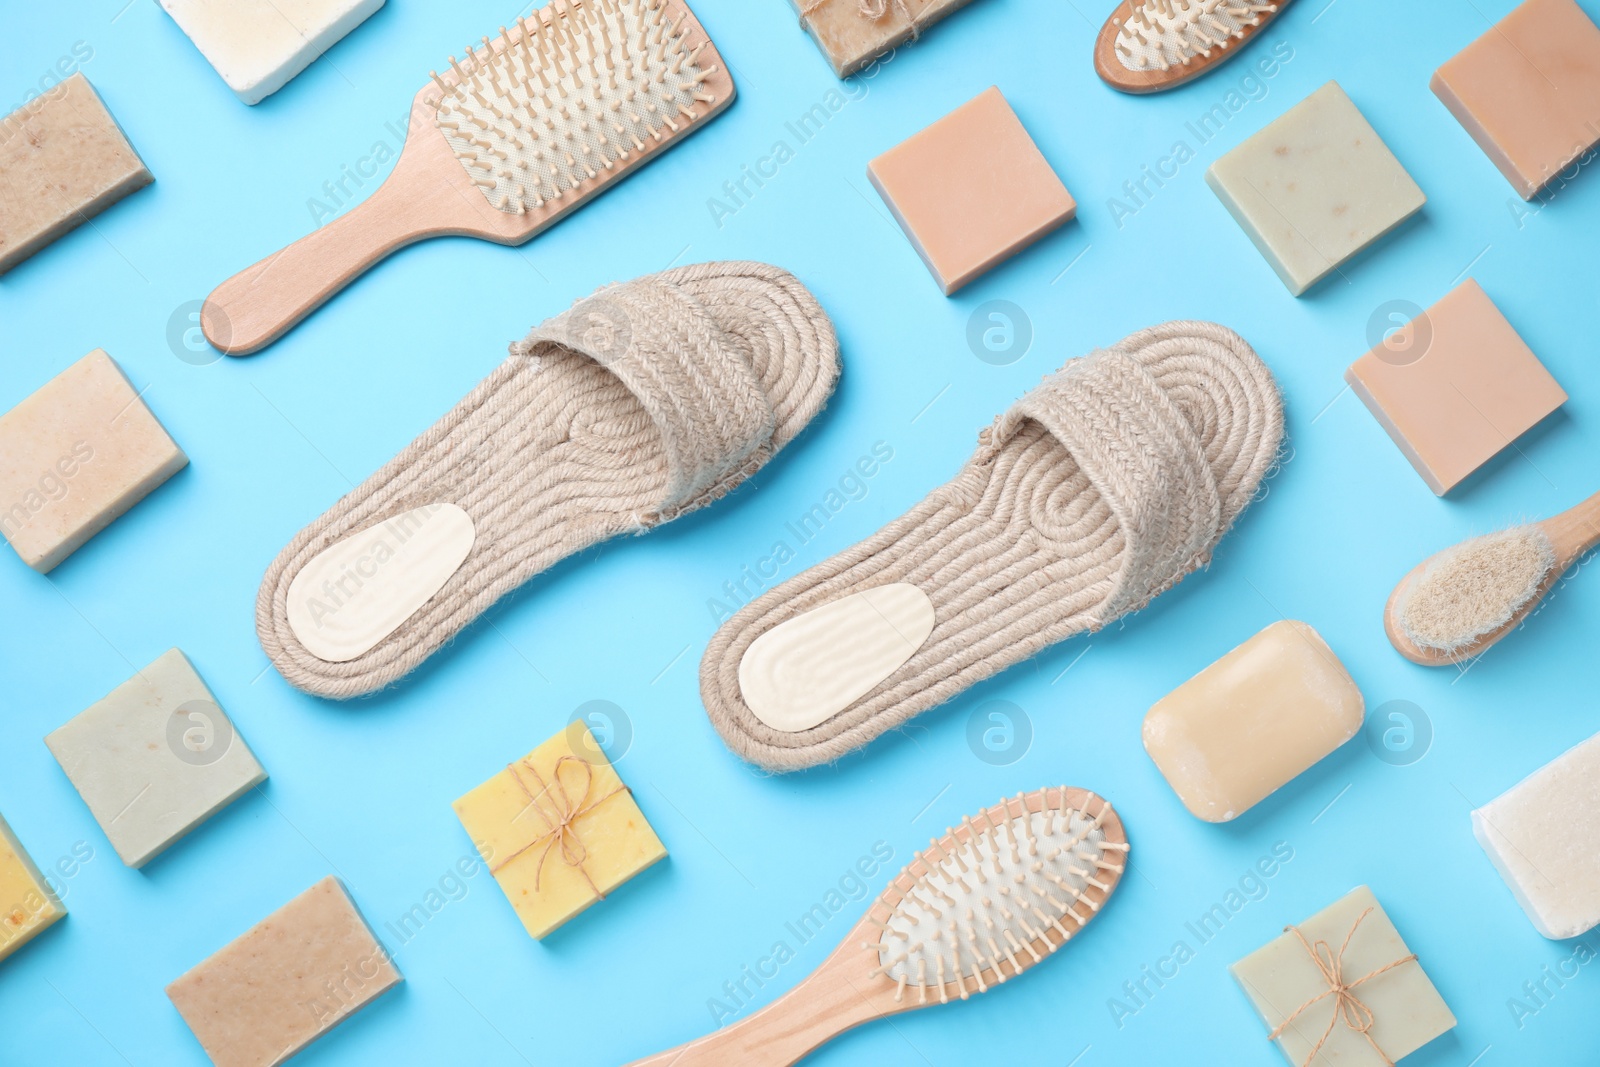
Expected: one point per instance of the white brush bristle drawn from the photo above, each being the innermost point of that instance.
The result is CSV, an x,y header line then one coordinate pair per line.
x,y
1161,34
995,896
569,94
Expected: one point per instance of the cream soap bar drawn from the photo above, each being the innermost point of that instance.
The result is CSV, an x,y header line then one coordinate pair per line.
x,y
63,160
75,455
155,758
1231,735
1528,91
852,34
1315,187
299,973
1295,998
1543,836
258,45
28,905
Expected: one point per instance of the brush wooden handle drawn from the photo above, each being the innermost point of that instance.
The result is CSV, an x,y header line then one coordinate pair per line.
x,y
1574,531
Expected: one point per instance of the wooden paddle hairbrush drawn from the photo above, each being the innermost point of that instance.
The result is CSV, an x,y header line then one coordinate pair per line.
x,y
511,138
982,904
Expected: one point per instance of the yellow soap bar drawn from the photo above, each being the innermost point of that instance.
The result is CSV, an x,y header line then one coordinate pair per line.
x,y
27,903
559,829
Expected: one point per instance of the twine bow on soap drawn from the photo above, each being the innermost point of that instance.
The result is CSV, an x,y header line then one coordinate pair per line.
x,y
1356,1015
562,812
871,10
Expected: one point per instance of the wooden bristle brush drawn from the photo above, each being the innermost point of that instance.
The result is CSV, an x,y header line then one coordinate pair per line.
x,y
516,134
979,906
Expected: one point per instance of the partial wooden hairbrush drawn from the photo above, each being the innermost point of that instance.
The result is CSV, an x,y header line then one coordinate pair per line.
x,y
979,906
1150,45
511,138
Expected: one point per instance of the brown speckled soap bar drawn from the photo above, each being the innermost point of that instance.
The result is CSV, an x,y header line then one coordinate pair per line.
x,y
63,160
852,33
299,973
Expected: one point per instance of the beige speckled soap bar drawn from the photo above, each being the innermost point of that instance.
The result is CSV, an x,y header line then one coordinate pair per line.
x,y
1315,187
27,903
1528,91
851,39
1231,735
299,973
74,456
63,160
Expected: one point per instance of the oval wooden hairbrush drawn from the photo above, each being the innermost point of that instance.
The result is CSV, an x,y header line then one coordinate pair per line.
x,y
979,906
521,131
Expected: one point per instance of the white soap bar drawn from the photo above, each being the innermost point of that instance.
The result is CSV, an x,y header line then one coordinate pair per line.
x,y
258,45
1543,836
154,759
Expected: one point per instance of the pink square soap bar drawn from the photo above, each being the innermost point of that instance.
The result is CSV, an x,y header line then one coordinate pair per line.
x,y
1528,91
971,190
1454,386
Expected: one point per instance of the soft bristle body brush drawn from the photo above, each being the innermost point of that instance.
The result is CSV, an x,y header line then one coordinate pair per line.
x,y
982,904
519,132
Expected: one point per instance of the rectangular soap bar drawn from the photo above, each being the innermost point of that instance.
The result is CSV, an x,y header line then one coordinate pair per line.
x,y
299,973
971,190
559,830
155,758
1528,91
1231,735
63,160
28,906
1315,187
1543,836
1281,977
258,45
74,456
1455,386
851,35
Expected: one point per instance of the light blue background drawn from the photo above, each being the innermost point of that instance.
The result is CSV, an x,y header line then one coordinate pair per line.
x,y
363,790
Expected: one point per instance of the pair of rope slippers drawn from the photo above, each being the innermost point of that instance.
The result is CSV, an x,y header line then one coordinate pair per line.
x,y
1099,489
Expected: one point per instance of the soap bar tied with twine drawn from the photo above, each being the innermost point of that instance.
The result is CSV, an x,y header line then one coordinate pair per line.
x,y
1347,1005
871,10
559,808
854,33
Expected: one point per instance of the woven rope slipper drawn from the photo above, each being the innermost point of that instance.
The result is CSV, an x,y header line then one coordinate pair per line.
x,y
642,402
1098,490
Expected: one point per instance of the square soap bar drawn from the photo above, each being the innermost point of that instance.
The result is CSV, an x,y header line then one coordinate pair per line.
x,y
1454,386
63,160
299,973
1528,91
1281,978
74,456
155,758
258,45
28,905
1231,735
559,830
1314,187
851,40
972,190
1543,836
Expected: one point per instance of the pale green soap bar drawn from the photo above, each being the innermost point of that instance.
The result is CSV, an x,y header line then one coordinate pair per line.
x,y
1315,187
154,759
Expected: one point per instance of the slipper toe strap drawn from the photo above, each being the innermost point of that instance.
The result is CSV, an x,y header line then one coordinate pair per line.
x,y
692,379
1137,448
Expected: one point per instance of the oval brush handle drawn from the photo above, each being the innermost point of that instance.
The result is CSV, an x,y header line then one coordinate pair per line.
x,y
1574,531
259,304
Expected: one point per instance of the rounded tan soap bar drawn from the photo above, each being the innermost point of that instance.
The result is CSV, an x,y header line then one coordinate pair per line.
x,y
1237,731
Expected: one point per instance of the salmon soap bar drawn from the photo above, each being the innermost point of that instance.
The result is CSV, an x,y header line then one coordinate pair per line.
x,y
1315,187
1289,981
972,190
258,45
851,35
74,456
1543,836
63,160
299,973
1231,735
559,830
155,758
28,906
1528,91
1454,386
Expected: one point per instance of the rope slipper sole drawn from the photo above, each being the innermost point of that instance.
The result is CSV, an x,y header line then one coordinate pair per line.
x,y
644,401
1097,491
